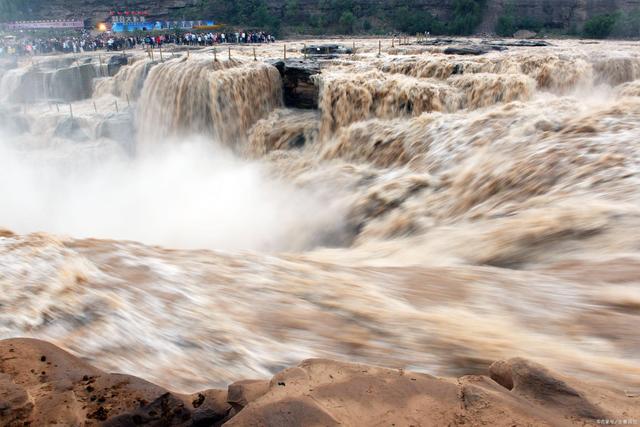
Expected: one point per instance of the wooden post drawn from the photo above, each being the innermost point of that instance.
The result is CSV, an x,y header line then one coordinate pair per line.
x,y
229,51
161,58
128,103
215,55
393,41
58,107
116,105
285,51
101,70
255,58
70,110
379,47
95,108
304,50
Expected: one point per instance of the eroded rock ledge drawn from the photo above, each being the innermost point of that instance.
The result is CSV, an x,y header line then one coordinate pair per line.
x,y
41,384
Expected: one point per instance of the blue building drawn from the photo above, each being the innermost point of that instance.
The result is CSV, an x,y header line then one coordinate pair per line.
x,y
138,21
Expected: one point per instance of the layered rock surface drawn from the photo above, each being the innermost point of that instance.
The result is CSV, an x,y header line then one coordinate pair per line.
x,y
40,384
299,87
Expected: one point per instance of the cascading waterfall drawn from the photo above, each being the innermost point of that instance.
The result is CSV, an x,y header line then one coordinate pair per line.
x,y
436,212
200,96
127,83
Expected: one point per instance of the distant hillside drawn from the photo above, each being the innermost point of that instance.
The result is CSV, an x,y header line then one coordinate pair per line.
x,y
598,18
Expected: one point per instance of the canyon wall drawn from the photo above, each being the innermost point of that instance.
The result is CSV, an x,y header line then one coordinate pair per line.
x,y
562,14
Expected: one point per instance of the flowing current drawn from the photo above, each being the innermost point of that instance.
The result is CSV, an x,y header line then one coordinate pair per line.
x,y
177,222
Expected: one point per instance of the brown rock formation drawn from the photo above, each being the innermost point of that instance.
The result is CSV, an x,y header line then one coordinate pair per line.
x,y
41,384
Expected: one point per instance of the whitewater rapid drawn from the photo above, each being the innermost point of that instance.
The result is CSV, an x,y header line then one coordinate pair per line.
x,y
435,213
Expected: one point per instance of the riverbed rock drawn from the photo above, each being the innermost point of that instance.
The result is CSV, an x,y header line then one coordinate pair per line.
x,y
37,83
534,382
72,83
299,87
120,128
439,41
516,43
524,34
473,49
326,50
466,50
72,129
40,384
115,63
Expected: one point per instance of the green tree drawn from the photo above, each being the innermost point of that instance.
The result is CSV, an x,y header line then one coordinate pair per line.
x,y
600,26
291,9
467,15
347,19
14,9
627,24
529,23
506,26
410,20
508,23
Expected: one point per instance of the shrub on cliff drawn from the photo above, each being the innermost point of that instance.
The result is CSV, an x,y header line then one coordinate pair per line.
x,y
506,26
467,15
600,26
347,19
412,21
627,25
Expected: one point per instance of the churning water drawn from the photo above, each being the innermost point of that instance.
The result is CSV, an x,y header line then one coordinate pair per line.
x,y
436,213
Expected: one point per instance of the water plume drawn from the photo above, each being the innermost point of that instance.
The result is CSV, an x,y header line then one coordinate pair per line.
x,y
194,195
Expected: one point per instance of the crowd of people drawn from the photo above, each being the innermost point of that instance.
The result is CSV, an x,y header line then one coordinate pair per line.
x,y
82,41
233,37
85,41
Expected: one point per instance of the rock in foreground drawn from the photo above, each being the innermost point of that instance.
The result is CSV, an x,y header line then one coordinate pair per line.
x,y
41,384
